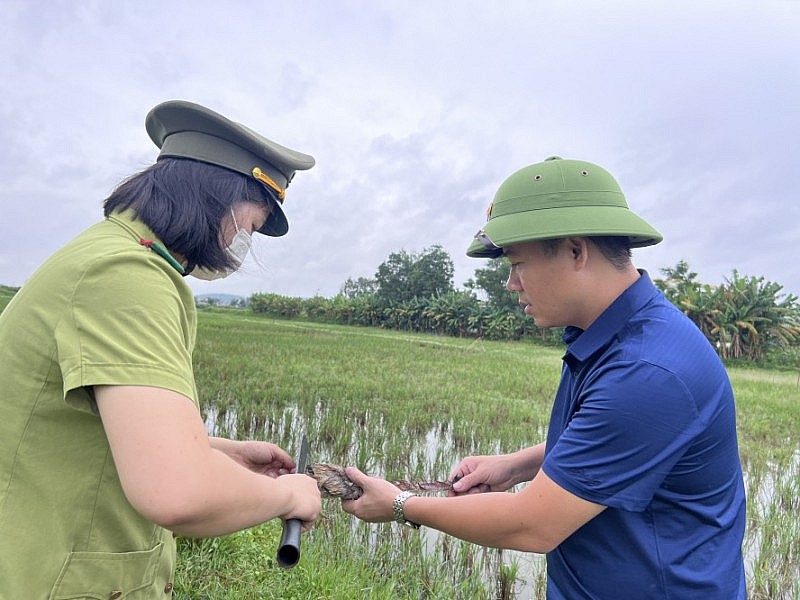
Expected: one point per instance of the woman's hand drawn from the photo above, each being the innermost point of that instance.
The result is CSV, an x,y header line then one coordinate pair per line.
x,y
179,478
264,458
306,502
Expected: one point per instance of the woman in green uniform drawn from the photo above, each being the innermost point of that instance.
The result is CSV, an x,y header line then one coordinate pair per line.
x,y
104,456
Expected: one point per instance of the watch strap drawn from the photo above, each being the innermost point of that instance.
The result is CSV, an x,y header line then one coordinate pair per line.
x,y
397,508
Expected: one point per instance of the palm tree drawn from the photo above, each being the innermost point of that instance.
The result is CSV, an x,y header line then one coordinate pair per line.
x,y
743,318
752,316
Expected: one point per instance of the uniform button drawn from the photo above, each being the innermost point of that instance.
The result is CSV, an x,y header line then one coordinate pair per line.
x,y
168,588
115,595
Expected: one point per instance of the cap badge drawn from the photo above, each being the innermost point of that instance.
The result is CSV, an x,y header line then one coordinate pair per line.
x,y
266,179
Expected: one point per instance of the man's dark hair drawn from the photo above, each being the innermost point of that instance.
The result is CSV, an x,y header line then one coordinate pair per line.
x,y
615,249
184,201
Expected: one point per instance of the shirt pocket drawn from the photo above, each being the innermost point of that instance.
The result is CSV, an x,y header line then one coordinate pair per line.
x,y
106,575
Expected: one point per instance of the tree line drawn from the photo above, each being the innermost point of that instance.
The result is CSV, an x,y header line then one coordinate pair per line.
x,y
745,318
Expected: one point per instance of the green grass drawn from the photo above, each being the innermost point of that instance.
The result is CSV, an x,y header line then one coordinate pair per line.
x,y
768,411
338,377
6,293
410,405
391,403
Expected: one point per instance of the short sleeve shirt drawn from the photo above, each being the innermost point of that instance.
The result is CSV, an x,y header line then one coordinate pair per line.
x,y
644,424
104,309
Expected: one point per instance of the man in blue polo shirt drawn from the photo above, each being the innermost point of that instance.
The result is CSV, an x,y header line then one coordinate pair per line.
x,y
637,492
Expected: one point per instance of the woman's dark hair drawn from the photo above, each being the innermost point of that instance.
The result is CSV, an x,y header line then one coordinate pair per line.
x,y
184,201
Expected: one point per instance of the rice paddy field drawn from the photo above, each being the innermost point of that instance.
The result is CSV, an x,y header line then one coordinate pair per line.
x,y
411,406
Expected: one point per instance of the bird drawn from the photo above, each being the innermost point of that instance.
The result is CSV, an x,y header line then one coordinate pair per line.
x,y
333,482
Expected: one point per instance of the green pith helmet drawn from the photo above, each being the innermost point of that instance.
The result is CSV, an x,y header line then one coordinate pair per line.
x,y
559,198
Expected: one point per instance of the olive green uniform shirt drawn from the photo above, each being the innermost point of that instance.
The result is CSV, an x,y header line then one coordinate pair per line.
x,y
103,310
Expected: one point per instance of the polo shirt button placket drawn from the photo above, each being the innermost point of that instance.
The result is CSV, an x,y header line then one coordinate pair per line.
x,y
115,595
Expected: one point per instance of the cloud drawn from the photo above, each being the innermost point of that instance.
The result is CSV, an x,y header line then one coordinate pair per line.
x,y
415,112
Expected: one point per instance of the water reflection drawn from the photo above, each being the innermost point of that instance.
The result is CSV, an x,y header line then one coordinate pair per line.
x,y
431,453
432,458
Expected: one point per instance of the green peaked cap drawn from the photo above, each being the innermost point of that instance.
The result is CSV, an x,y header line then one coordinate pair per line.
x,y
559,198
184,129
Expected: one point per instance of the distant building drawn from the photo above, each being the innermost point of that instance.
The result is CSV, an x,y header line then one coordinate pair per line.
x,y
230,300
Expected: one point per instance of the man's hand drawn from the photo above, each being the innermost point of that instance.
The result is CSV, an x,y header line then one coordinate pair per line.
x,y
375,504
496,473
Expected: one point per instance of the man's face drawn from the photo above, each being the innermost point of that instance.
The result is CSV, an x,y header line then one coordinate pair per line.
x,y
542,280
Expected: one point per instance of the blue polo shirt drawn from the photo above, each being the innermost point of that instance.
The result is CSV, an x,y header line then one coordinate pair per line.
x,y
644,423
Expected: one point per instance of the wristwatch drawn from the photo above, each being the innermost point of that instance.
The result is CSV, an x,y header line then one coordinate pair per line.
x,y
397,507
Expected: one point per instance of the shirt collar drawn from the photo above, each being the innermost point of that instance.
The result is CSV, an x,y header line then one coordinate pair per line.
x,y
127,220
145,236
583,344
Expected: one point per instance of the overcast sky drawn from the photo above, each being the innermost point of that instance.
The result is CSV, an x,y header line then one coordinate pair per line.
x,y
416,111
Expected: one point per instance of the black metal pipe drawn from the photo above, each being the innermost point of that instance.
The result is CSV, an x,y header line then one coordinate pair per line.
x,y
289,546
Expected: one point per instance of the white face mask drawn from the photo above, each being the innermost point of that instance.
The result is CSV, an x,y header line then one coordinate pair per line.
x,y
236,250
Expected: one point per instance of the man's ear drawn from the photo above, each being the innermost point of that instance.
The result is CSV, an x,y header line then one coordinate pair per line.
x,y
578,249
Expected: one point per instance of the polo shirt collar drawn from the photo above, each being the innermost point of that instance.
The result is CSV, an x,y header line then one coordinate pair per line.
x,y
582,344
